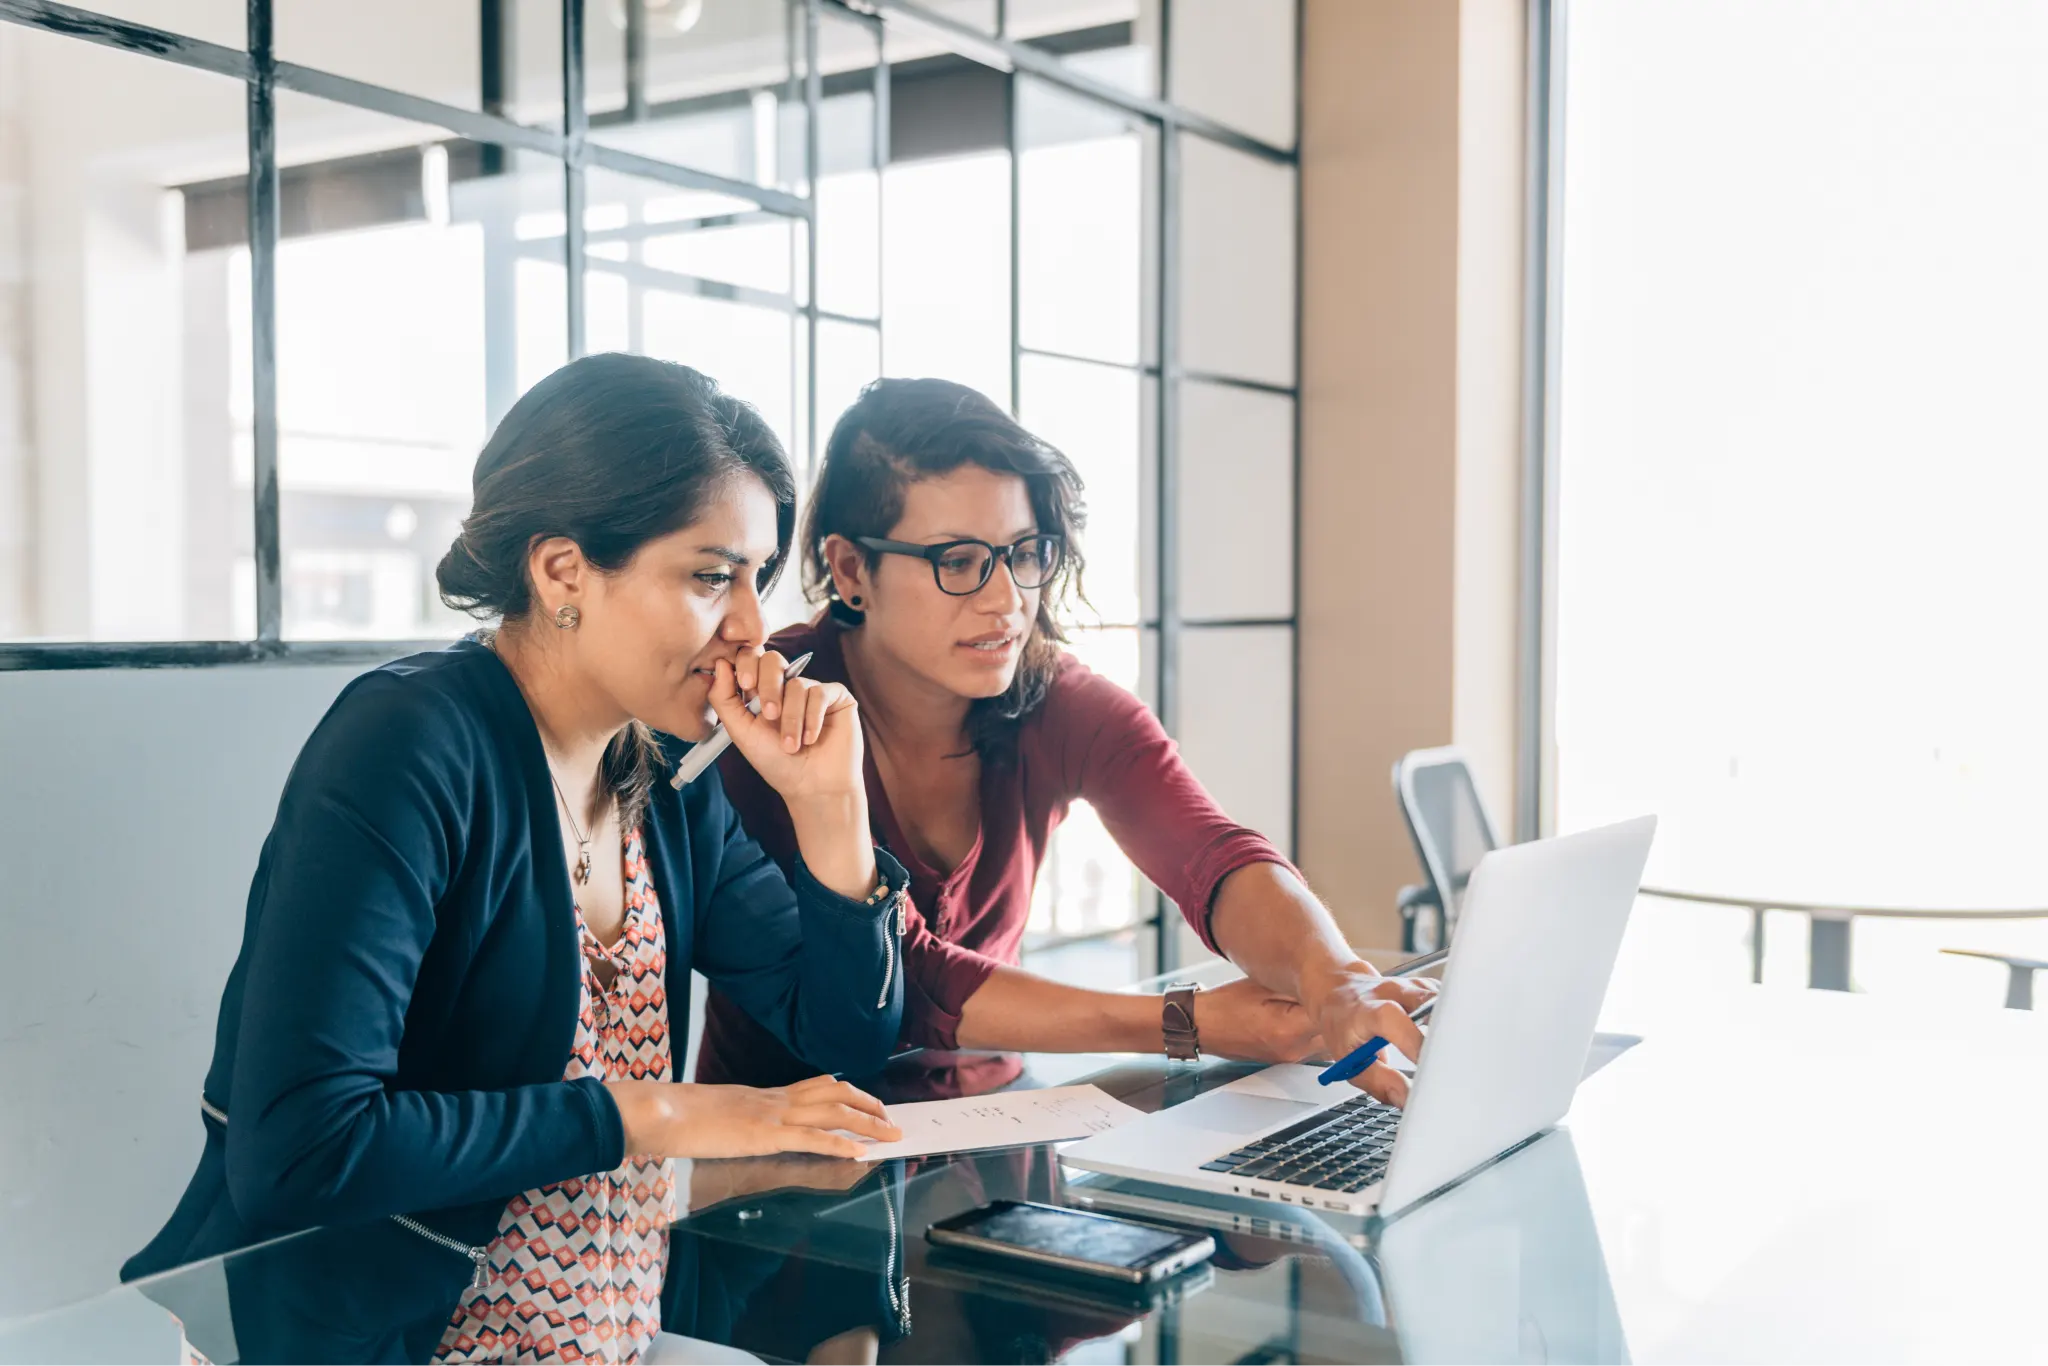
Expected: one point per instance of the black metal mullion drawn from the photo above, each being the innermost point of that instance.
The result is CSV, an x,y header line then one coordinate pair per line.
x,y
1167,438
575,125
636,61
1257,386
882,150
69,21
1542,264
686,177
1294,511
474,124
497,71
1014,124
263,238
199,654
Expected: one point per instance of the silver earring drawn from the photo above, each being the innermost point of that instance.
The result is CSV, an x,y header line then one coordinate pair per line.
x,y
568,617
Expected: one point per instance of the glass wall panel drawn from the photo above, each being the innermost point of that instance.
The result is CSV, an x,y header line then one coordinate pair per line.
x,y
1087,885
1094,414
1083,180
1113,41
430,50
1237,305
681,239
849,359
849,196
1234,60
720,88
946,271
122,237
419,291
1237,721
1235,499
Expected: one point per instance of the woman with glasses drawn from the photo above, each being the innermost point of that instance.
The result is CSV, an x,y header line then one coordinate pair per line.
x,y
945,539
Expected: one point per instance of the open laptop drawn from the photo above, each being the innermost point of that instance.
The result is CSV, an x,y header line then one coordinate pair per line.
x,y
1537,939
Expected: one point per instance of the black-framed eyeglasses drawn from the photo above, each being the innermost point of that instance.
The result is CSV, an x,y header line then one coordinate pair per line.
x,y
962,567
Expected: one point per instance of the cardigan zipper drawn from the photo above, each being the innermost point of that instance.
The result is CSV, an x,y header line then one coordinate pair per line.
x,y
893,927
479,1256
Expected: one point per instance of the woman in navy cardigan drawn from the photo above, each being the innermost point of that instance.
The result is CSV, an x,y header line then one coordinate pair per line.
x,y
477,879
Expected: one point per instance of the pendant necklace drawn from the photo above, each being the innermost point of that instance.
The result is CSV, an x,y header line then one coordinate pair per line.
x,y
582,873
489,640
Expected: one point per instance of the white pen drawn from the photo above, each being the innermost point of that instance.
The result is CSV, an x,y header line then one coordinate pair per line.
x,y
706,752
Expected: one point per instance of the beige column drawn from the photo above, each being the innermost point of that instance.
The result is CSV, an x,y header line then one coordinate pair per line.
x,y
1411,323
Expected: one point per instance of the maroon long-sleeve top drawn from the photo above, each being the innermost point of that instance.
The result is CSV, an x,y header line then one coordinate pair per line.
x,y
1088,739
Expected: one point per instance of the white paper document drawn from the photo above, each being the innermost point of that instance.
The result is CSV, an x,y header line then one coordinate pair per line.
x,y
1051,1115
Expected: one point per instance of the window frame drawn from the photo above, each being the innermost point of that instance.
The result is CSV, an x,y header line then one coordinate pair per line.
x,y
983,56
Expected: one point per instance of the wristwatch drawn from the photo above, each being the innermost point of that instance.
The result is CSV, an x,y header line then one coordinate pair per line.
x,y
1177,1016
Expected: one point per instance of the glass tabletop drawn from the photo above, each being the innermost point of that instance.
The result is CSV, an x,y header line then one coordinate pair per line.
x,y
1771,1176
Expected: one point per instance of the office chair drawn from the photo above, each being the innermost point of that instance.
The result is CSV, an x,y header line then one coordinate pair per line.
x,y
1452,832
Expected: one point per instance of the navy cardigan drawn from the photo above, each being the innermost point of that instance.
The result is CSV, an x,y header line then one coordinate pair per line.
x,y
394,1032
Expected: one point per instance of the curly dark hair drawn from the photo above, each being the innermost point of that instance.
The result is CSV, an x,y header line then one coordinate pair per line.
x,y
902,430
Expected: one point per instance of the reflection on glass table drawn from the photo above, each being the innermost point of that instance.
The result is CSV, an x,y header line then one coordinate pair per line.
x,y
1775,1176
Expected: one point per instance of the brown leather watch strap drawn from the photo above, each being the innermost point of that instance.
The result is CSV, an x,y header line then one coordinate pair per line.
x,y
1177,1019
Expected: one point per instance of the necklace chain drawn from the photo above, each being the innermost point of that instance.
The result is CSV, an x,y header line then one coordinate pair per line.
x,y
489,640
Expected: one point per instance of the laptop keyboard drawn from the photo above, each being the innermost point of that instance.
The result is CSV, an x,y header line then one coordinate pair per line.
x,y
1344,1148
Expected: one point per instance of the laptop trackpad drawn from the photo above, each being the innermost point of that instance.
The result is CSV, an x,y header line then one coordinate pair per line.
x,y
1233,1112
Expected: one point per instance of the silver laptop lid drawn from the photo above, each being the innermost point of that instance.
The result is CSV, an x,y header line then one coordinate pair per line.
x,y
1536,943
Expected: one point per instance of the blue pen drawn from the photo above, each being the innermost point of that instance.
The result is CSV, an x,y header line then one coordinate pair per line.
x,y
1361,1057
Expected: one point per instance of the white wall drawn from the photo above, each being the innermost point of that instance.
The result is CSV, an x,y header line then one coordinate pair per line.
x,y
16,525
132,807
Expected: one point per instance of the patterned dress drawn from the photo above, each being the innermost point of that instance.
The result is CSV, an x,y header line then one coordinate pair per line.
x,y
575,1271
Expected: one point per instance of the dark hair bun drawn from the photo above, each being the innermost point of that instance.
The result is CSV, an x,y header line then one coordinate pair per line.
x,y
610,451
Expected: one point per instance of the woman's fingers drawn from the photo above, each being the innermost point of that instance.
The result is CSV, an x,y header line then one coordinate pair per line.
x,y
1383,1084
835,1115
1406,992
771,684
747,665
795,701
1391,1023
726,700
825,1143
816,704
1380,1081
828,1090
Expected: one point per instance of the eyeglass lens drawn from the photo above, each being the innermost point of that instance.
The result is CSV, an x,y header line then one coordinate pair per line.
x,y
965,568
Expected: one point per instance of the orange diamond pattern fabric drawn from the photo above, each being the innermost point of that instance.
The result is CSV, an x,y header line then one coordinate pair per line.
x,y
576,1268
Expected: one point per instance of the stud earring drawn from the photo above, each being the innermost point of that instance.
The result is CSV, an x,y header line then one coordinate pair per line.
x,y
854,602
568,617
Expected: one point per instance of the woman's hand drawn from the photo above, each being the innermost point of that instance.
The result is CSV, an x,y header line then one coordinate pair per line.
x,y
682,1119
1363,1005
806,744
1245,1021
